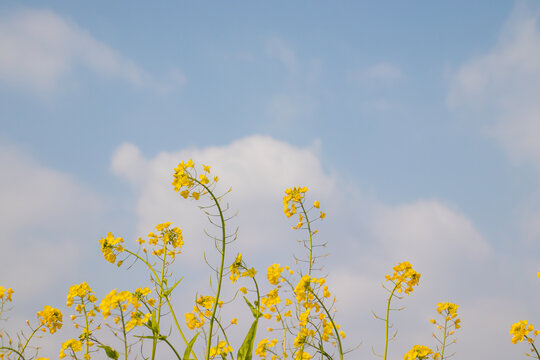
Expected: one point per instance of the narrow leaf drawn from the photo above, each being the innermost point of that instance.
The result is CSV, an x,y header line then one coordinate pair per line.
x,y
189,347
246,350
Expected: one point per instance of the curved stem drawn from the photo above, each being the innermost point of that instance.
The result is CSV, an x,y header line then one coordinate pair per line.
x,y
220,273
310,238
535,349
444,338
387,319
333,324
15,351
28,340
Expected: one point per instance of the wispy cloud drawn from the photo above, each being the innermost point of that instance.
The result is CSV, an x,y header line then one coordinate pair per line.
x,y
278,49
505,83
38,48
42,213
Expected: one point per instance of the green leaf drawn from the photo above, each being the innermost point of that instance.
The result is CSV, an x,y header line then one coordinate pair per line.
x,y
111,353
168,292
256,313
189,347
246,350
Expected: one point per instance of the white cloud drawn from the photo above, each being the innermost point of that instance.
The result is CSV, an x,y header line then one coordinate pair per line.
x,y
38,48
257,168
366,239
504,82
276,48
42,213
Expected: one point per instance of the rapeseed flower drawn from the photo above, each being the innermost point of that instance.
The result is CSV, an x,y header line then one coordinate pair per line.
x,y
521,330
404,274
263,346
111,246
420,352
72,344
273,274
51,318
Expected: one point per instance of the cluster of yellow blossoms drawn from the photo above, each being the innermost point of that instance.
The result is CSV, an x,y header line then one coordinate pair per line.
x,y
238,269
6,294
521,330
404,274
449,311
222,349
121,300
111,246
293,198
51,318
420,352
71,344
166,237
201,311
182,178
263,346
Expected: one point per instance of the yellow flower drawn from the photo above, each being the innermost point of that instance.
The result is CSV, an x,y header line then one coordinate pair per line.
x,y
110,245
316,204
234,321
520,330
81,291
418,352
404,274
51,318
274,273
74,345
263,345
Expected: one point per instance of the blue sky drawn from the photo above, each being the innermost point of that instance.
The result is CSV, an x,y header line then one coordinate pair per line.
x,y
416,124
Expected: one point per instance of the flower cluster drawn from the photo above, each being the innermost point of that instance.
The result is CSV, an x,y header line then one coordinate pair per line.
x,y
222,349
449,311
121,300
168,242
111,246
5,294
51,318
201,311
404,275
420,352
238,269
71,344
521,330
187,183
273,274
294,198
263,346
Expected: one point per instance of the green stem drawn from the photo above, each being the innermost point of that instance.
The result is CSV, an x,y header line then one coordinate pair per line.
x,y
15,351
166,298
158,319
87,335
28,340
220,274
310,238
444,338
534,347
333,324
123,330
387,319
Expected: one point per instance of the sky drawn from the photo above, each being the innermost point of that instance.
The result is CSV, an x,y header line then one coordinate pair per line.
x,y
415,125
